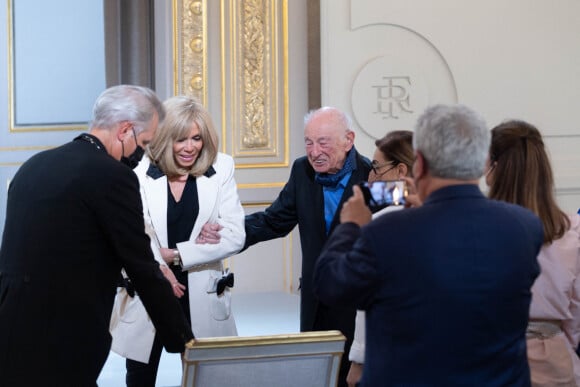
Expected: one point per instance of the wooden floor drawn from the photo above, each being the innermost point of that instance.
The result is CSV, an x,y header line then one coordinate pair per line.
x,y
255,314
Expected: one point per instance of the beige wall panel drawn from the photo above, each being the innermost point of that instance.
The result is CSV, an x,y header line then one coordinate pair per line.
x,y
385,60
271,266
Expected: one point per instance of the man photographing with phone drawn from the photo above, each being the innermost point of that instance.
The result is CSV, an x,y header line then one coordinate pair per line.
x,y
392,163
434,290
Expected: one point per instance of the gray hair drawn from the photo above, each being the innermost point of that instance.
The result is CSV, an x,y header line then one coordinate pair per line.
x,y
454,140
120,103
342,119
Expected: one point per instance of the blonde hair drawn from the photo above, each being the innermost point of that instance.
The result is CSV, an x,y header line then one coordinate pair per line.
x,y
181,113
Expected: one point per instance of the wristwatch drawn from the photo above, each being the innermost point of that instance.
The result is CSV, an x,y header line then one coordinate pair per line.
x,y
176,258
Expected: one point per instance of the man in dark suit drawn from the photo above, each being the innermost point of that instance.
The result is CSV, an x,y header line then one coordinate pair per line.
x,y
74,219
446,286
312,198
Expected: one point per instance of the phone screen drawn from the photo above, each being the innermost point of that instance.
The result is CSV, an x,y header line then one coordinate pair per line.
x,y
381,194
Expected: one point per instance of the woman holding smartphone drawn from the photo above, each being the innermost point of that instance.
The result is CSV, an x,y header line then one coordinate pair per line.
x,y
392,160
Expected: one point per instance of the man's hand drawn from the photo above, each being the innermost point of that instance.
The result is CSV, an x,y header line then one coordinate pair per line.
x,y
355,210
209,234
412,199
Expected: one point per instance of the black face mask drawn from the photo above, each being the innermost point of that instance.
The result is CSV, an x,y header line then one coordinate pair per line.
x,y
134,158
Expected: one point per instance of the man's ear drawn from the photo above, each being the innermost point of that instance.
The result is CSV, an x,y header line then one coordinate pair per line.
x,y
350,139
419,166
123,130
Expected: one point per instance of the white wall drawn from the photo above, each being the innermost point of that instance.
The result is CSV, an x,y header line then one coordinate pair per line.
x,y
506,59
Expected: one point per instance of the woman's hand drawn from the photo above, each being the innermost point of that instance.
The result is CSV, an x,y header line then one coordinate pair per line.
x,y
178,289
209,234
354,374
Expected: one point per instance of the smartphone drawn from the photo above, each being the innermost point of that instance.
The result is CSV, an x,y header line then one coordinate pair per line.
x,y
381,194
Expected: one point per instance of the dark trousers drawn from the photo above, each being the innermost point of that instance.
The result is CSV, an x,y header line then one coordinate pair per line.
x,y
337,319
144,374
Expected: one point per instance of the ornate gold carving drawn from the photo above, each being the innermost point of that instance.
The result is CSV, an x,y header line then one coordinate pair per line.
x,y
254,73
190,32
255,53
197,83
196,7
196,45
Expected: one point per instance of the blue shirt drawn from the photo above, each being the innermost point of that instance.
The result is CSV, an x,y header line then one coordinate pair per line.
x,y
332,198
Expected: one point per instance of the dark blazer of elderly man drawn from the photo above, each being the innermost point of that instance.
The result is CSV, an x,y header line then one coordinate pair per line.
x,y
319,184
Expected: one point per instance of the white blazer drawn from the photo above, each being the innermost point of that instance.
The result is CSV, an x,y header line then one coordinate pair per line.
x,y
218,203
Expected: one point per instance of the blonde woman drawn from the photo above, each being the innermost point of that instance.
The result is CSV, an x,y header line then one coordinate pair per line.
x,y
185,184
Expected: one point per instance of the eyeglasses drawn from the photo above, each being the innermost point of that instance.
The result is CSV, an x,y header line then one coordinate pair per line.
x,y
375,166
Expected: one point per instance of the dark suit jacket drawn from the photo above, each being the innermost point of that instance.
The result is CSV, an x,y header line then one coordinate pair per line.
x,y
301,202
74,218
446,289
